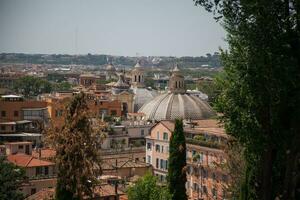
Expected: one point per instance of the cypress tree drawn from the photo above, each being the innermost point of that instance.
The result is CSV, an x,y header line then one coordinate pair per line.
x,y
177,163
77,152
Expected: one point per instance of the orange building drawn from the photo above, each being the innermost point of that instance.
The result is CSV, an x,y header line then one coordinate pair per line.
x,y
22,120
41,173
16,108
98,107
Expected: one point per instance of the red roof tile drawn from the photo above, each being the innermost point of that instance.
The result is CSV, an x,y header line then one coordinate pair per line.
x,y
23,160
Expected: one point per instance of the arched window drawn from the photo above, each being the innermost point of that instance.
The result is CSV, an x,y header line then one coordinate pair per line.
x,y
139,78
134,78
176,84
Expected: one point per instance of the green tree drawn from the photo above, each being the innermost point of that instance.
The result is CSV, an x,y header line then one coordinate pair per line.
x,y
30,86
146,188
62,86
11,178
177,163
77,145
261,92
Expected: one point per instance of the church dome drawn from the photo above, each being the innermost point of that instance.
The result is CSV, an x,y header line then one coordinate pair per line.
x,y
176,103
175,106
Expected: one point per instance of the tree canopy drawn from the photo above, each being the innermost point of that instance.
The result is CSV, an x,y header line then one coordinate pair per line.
x,y
32,86
11,178
146,188
261,92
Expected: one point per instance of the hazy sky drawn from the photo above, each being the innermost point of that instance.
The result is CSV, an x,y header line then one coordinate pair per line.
x,y
118,27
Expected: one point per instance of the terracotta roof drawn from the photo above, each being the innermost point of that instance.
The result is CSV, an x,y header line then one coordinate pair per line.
x,y
47,193
168,124
23,160
45,153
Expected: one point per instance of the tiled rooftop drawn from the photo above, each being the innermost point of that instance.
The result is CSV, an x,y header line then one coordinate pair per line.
x,y
23,160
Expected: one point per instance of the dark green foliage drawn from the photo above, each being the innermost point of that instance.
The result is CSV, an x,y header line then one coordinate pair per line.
x,y
261,92
62,86
77,145
30,86
177,163
11,178
146,188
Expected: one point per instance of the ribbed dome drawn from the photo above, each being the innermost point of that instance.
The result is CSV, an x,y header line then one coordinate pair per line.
x,y
175,106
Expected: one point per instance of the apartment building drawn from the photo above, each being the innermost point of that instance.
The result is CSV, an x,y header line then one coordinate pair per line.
x,y
41,173
204,139
22,120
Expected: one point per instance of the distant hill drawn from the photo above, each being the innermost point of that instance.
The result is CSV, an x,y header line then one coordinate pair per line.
x,y
208,61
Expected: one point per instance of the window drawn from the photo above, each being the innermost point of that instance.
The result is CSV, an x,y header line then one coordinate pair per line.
x,y
16,113
3,127
3,113
38,171
161,164
46,170
157,148
149,159
33,190
142,132
20,147
157,163
149,146
162,148
157,135
165,136
166,164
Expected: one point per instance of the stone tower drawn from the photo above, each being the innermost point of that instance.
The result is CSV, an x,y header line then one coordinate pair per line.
x,y
137,76
176,82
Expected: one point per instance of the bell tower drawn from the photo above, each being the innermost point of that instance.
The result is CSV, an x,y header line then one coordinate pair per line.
x,y
176,82
137,76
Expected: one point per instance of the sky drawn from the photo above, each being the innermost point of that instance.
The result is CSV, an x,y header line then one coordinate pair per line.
x,y
114,27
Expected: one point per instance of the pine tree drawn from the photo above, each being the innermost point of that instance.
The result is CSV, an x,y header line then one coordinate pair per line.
x,y
77,152
177,163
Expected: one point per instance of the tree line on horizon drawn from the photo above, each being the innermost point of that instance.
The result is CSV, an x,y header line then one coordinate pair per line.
x,y
209,60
